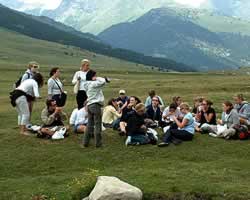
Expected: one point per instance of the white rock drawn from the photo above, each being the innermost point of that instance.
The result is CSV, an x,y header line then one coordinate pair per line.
x,y
112,188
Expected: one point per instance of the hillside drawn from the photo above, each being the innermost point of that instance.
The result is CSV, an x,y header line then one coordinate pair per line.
x,y
29,26
164,33
17,50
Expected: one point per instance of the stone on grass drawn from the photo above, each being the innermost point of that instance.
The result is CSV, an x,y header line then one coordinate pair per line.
x,y
112,188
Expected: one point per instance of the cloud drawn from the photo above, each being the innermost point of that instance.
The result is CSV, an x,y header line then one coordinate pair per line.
x,y
46,4
191,3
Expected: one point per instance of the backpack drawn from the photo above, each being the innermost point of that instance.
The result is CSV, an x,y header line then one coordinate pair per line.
x,y
18,82
242,132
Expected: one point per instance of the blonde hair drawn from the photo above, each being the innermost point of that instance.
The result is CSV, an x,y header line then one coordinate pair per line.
x,y
84,61
139,107
32,64
185,106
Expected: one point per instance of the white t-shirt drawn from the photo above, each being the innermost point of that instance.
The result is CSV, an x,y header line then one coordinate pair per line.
x,y
30,87
82,75
177,114
79,116
53,87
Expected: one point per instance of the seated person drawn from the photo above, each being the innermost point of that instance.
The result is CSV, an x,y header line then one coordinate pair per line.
x,y
207,115
122,100
111,117
226,125
52,118
79,119
153,111
136,128
185,131
243,109
152,94
197,105
133,101
168,116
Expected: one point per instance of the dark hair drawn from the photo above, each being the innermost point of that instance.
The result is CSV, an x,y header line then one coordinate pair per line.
x,y
240,96
209,103
136,99
229,104
110,102
53,71
173,106
176,98
39,79
151,93
90,74
48,102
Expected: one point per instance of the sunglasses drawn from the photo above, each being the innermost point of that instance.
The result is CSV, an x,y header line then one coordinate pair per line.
x,y
36,66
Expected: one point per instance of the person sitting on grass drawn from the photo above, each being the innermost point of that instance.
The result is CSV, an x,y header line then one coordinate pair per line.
x,y
95,102
133,101
111,116
79,119
243,109
153,112
122,100
26,93
136,128
52,118
185,131
152,94
197,105
168,116
207,116
226,125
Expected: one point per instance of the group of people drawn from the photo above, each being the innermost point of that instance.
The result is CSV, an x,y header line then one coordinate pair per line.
x,y
136,121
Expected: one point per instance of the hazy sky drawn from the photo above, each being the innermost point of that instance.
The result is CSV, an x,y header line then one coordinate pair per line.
x,y
51,4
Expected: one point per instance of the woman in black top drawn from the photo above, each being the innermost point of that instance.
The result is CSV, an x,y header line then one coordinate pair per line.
x,y
136,128
207,115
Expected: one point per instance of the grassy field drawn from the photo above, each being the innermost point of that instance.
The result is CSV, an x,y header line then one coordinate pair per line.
x,y
206,168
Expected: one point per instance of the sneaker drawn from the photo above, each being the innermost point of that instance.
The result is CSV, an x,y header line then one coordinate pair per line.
x,y
35,128
63,131
57,135
28,127
163,144
213,135
54,128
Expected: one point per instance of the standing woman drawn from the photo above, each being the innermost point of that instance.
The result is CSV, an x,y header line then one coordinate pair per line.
x,y
80,77
22,95
55,87
33,68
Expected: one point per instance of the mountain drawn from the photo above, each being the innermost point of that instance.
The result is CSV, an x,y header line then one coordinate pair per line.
x,y
163,33
30,26
97,15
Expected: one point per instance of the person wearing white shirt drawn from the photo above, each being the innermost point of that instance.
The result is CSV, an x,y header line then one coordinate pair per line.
x,y
95,102
27,92
79,120
55,87
80,76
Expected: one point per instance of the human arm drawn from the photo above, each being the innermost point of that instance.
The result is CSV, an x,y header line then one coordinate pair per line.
x,y
181,124
75,78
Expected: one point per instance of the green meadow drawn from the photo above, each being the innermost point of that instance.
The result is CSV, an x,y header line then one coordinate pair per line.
x,y
32,168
